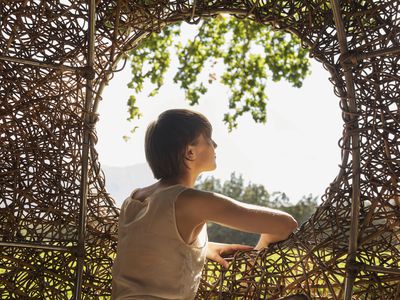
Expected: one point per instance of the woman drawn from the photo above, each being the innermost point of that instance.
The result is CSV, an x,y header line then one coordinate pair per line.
x,y
162,239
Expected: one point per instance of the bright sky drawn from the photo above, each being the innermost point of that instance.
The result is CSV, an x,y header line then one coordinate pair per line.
x,y
295,152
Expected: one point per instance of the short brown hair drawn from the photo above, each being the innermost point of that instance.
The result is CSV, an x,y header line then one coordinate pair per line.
x,y
167,138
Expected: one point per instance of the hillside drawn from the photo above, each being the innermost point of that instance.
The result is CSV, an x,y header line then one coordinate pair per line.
x,y
120,181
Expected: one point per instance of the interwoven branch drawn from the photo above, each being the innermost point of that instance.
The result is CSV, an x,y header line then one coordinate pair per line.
x,y
43,74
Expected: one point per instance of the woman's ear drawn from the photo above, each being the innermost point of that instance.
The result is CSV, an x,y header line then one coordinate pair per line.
x,y
190,153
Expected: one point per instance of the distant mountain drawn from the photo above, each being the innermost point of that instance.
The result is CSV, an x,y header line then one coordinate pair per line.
x,y
120,181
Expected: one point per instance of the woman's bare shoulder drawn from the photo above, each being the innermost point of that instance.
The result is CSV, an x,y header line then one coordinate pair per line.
x,y
195,199
195,193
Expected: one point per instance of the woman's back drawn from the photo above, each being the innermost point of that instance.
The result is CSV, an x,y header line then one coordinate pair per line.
x,y
153,261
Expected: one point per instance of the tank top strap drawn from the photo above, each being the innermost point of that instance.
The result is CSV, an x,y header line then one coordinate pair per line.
x,y
133,192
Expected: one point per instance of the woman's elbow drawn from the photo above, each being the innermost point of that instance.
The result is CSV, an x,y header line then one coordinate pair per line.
x,y
291,225
294,223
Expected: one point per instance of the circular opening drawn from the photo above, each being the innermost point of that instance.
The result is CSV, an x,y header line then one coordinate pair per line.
x,y
295,152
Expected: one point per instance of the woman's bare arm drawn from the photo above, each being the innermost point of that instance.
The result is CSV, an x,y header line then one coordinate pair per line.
x,y
203,206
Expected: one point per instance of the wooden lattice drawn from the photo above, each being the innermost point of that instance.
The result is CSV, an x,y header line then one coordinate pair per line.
x,y
58,224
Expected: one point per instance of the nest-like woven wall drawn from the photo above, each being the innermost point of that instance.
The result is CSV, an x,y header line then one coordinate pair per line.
x,y
58,224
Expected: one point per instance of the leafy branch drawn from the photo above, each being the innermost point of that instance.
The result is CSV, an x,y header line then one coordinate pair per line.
x,y
250,52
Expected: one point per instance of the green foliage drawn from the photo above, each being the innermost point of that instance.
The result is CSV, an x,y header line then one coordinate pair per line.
x,y
251,53
253,194
303,209
153,52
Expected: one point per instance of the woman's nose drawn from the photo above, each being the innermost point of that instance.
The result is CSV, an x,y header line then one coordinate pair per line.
x,y
215,144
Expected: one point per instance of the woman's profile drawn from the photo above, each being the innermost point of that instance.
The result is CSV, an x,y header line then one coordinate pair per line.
x,y
162,235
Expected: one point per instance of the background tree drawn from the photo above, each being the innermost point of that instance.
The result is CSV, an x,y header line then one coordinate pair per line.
x,y
303,209
253,194
250,52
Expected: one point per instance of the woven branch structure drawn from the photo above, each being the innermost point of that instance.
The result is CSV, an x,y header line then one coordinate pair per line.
x,y
58,227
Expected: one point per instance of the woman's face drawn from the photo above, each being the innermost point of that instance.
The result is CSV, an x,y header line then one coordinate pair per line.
x,y
205,153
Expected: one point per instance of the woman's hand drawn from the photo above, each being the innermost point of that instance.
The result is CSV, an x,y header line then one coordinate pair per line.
x,y
214,251
266,239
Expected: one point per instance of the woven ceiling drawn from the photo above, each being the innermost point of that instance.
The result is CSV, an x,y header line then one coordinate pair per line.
x,y
58,224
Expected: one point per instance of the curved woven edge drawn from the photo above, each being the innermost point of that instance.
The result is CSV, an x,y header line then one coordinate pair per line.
x,y
43,88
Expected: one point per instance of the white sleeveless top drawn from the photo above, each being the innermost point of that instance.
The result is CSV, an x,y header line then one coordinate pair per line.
x,y
153,261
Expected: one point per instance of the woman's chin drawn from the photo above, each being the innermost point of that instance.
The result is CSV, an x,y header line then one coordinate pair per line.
x,y
211,167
